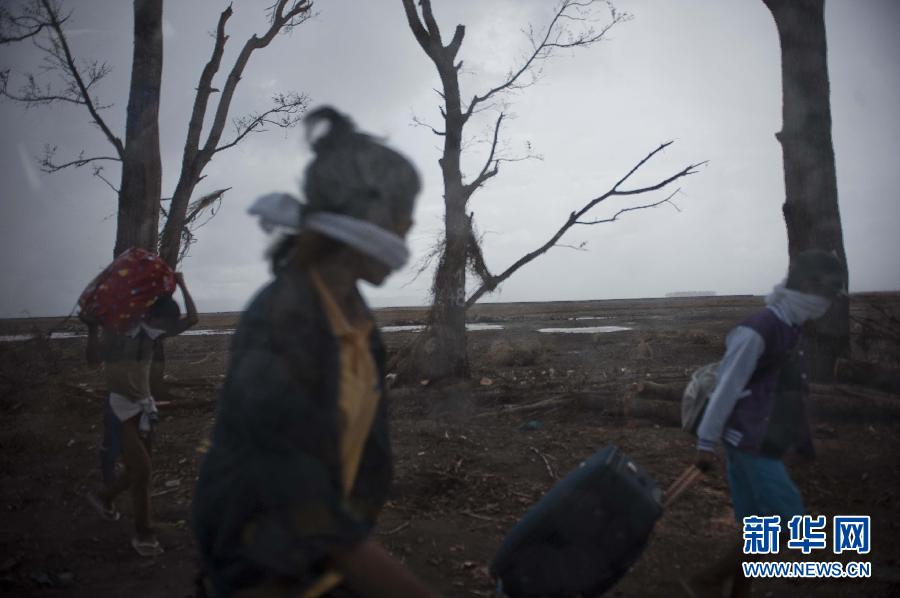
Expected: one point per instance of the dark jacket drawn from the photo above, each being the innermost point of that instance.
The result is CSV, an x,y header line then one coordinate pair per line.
x,y
269,503
772,418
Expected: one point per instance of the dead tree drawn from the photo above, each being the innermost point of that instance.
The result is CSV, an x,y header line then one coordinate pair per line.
x,y
285,111
139,191
441,350
810,209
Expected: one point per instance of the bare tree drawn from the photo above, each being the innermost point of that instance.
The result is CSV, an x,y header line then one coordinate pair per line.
x,y
285,111
441,350
64,79
811,211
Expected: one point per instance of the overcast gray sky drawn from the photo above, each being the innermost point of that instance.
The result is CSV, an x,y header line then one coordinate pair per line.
x,y
705,73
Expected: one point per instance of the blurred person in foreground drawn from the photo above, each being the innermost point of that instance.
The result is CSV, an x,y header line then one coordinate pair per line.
x,y
757,409
300,462
130,414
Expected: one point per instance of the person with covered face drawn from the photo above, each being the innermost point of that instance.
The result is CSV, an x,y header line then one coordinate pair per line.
x,y
757,409
299,463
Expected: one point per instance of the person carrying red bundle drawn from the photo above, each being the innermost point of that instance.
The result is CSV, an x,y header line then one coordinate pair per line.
x,y
130,414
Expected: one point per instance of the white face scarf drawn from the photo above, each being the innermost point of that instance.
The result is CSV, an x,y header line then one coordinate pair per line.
x,y
284,213
797,307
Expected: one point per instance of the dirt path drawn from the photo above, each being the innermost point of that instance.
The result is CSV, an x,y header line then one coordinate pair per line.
x,y
467,465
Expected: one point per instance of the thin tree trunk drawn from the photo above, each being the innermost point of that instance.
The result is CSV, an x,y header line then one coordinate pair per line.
x,y
811,211
446,332
141,187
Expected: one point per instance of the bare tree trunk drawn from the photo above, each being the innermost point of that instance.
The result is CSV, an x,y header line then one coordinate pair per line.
x,y
141,186
447,318
446,331
440,352
811,211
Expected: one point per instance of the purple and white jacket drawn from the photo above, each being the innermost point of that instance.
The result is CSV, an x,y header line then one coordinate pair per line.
x,y
759,359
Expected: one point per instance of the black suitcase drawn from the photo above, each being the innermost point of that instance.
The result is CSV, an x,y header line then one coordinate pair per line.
x,y
584,534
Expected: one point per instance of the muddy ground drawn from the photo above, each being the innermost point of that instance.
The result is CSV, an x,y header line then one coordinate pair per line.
x,y
470,457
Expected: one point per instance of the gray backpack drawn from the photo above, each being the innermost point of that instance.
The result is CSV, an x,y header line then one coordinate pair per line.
x,y
696,396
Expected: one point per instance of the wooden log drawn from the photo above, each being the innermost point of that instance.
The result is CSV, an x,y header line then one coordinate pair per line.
x,y
845,403
665,412
660,392
550,403
868,374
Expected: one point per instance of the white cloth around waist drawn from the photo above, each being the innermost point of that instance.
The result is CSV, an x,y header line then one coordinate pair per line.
x,y
125,408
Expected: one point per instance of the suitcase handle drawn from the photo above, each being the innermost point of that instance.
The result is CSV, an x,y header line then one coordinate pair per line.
x,y
685,480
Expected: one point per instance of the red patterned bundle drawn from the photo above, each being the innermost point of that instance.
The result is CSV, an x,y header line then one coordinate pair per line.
x,y
122,293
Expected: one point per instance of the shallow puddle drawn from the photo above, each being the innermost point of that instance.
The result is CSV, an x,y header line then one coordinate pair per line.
x,y
585,330
209,332
474,327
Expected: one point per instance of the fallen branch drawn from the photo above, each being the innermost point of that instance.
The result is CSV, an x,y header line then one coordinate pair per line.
x,y
478,516
546,462
665,412
201,360
661,392
193,383
164,492
397,529
542,404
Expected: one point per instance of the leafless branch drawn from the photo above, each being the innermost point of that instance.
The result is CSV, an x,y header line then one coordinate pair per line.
x,y
298,13
81,81
615,216
286,111
490,285
580,247
34,93
204,90
282,17
420,123
49,166
415,24
556,37
496,156
430,22
491,166
688,170
58,58
98,172
17,27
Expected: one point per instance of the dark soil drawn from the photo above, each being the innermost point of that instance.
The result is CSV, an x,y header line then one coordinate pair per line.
x,y
471,456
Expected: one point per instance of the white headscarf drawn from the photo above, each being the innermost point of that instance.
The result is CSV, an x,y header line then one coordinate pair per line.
x,y
281,212
796,306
